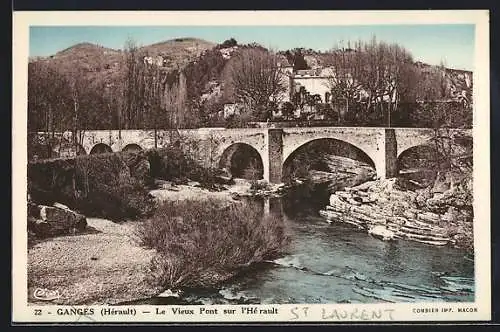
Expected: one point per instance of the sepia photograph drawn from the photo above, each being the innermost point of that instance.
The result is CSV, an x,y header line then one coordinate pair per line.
x,y
189,166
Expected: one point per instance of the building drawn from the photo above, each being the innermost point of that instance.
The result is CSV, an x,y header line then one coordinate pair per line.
x,y
314,81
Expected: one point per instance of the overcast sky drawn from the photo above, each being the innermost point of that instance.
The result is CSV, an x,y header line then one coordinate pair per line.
x,y
452,44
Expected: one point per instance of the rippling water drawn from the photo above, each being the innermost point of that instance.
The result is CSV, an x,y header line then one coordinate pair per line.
x,y
337,263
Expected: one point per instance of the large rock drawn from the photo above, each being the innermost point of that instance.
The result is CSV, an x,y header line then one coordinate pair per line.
x,y
57,220
381,232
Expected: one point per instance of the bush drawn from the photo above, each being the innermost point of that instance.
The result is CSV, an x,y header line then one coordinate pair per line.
x,y
203,243
256,185
96,185
172,164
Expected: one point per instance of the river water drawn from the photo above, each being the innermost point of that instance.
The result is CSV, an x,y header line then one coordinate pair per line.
x,y
337,263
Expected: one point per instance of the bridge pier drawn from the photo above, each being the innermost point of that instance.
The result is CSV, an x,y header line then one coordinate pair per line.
x,y
386,158
275,156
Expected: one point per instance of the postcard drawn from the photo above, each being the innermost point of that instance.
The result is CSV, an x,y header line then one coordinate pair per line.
x,y
251,166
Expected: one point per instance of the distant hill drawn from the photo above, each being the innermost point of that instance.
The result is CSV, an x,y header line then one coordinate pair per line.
x,y
178,52
103,66
202,60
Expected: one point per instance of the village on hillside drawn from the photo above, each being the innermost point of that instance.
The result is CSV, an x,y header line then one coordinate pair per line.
x,y
309,91
189,83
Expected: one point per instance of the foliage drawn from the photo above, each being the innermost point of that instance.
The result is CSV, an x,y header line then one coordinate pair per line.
x,y
202,243
372,83
96,185
296,58
231,42
441,114
173,164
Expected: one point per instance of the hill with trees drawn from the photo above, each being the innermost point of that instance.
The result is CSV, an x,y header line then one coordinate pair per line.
x,y
185,82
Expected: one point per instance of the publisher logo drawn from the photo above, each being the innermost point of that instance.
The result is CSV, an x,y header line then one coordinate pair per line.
x,y
46,294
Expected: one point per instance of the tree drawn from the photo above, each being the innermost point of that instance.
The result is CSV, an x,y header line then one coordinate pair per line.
x,y
153,88
299,62
390,67
134,87
229,43
254,79
49,105
372,75
345,79
287,109
48,99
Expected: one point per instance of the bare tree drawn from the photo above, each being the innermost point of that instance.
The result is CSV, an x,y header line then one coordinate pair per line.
x,y
254,79
48,101
134,86
373,74
344,81
153,88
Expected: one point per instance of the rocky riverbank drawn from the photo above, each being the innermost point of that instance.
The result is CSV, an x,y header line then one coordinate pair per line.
x,y
239,188
101,265
77,260
432,216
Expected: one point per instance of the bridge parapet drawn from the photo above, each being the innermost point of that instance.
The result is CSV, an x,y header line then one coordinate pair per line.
x,y
207,145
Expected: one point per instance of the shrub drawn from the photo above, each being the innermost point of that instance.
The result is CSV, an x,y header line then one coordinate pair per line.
x,y
203,243
98,185
173,164
258,185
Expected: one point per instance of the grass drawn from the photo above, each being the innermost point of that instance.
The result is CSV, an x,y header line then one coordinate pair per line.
x,y
203,243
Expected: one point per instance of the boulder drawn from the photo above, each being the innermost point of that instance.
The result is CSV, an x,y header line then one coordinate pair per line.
x,y
194,184
55,220
428,217
381,232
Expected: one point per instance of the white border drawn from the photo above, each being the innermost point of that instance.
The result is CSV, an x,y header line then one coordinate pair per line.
x,y
316,312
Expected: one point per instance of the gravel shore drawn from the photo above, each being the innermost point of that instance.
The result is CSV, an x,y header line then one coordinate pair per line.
x,y
103,266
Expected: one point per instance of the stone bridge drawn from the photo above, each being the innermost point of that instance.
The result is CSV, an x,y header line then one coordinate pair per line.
x,y
214,146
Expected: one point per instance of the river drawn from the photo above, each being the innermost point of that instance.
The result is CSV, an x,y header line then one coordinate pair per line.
x,y
337,263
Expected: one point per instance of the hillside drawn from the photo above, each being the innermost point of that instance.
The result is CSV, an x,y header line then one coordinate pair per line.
x,y
104,65
202,64
178,52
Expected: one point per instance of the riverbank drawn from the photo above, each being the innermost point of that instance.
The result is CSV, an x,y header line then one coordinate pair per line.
x,y
240,188
103,265
391,210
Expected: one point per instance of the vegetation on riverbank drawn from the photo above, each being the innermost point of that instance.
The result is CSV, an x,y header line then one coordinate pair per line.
x,y
112,186
173,164
203,243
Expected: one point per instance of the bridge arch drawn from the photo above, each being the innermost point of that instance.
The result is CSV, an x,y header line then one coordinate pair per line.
x,y
132,147
100,148
242,160
328,145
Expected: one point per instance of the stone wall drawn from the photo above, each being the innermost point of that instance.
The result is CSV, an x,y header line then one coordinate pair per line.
x,y
207,145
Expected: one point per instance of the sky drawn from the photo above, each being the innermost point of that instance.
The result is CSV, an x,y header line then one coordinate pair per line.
x,y
452,44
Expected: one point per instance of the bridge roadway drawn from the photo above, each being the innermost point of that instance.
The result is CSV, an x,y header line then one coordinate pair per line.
x,y
214,146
